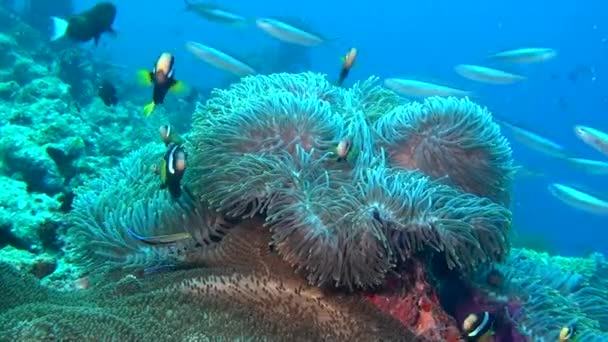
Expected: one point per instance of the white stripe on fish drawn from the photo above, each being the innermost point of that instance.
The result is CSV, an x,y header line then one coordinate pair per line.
x,y
487,75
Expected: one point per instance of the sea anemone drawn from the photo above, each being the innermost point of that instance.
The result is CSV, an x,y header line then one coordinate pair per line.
x,y
370,98
450,139
306,85
235,149
128,198
421,215
314,229
556,292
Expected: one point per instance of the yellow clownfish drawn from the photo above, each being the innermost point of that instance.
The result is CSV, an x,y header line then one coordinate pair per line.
x,y
347,63
163,80
479,327
567,334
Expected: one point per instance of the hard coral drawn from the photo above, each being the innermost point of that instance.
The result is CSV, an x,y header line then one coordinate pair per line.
x,y
450,139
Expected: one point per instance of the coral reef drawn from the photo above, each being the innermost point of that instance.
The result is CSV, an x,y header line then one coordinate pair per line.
x,y
553,292
264,151
54,134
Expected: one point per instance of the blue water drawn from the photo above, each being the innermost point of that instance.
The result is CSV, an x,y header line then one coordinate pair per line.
x,y
425,39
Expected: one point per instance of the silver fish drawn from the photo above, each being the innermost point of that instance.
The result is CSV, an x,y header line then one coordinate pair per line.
x,y
534,140
592,137
578,199
594,167
219,59
289,33
525,55
487,75
415,88
215,13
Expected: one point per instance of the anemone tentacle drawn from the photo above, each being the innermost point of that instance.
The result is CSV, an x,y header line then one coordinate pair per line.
x,y
234,174
313,232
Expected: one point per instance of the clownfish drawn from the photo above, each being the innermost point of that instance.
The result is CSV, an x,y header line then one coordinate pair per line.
x,y
347,62
567,333
168,135
172,168
162,77
344,151
479,327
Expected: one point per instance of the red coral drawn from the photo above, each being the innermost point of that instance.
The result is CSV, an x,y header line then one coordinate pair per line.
x,y
414,302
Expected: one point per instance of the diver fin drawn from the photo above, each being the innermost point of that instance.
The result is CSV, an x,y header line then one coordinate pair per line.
x,y
60,27
178,87
160,239
148,109
145,77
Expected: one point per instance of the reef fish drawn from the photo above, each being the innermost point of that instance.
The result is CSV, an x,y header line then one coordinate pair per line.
x,y
592,137
344,151
219,59
214,13
107,93
525,55
487,75
534,140
414,88
578,199
347,63
567,333
289,33
478,327
87,25
168,135
162,77
160,239
172,169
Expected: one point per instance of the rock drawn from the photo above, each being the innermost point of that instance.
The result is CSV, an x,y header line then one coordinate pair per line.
x,y
50,88
8,89
25,70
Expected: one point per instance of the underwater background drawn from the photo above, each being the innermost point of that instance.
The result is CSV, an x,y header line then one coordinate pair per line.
x,y
425,40
83,219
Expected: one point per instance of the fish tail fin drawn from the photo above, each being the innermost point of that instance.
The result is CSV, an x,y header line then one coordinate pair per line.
x,y
60,27
144,77
148,109
178,87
